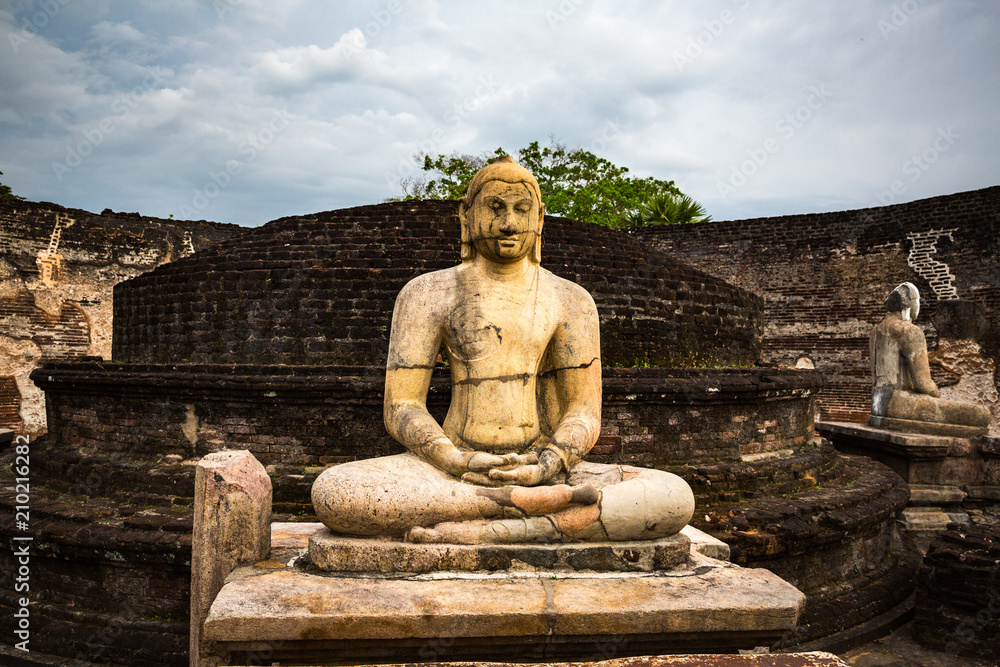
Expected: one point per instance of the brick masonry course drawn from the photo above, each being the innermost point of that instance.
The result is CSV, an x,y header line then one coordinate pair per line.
x,y
824,277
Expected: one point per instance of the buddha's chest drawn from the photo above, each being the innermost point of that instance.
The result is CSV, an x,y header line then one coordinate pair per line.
x,y
504,328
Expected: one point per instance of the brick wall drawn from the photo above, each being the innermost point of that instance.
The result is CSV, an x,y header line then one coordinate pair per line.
x,y
320,290
824,277
318,415
57,270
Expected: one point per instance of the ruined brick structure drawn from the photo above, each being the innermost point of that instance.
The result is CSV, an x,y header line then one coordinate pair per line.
x,y
57,269
824,277
320,289
244,345
958,605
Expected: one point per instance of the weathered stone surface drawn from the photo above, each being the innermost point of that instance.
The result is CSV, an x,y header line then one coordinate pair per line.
x,y
810,659
925,427
523,348
936,494
958,602
231,527
337,553
904,397
287,606
919,459
58,267
958,319
852,259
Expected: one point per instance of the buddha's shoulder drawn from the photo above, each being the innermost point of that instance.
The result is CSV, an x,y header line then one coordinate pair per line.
x,y
565,291
435,281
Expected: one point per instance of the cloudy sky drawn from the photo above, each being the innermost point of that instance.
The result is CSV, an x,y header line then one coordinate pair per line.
x,y
248,110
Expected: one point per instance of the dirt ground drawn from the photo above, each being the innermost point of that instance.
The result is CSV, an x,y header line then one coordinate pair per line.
x,y
900,650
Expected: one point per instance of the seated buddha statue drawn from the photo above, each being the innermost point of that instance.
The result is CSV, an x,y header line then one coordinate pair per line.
x,y
523,348
904,397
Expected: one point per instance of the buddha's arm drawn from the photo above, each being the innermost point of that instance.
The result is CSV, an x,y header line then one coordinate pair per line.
x,y
575,358
915,352
413,347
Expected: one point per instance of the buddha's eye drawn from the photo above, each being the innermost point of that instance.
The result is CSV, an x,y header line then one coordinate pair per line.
x,y
496,205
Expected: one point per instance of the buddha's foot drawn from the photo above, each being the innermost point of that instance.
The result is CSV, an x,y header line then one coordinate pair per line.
x,y
580,522
420,535
542,500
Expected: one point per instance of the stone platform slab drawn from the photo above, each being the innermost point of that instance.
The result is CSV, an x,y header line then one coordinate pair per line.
x,y
811,659
277,609
336,553
926,428
918,459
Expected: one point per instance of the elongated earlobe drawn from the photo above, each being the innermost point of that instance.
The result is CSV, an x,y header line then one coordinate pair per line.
x,y
536,249
467,252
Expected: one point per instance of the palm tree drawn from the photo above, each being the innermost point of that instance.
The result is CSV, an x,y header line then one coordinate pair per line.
x,y
668,209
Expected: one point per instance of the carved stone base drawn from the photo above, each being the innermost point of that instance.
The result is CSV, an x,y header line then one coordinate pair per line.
x,y
918,459
926,428
336,553
285,610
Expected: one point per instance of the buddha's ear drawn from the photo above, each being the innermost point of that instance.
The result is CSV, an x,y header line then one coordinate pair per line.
x,y
467,251
536,249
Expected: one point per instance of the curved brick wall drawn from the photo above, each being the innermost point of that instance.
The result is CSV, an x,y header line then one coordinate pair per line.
x,y
319,289
824,277
123,438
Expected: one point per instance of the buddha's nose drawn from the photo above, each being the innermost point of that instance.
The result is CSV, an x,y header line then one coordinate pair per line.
x,y
508,226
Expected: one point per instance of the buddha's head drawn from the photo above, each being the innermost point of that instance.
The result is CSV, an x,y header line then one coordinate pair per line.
x,y
502,214
904,300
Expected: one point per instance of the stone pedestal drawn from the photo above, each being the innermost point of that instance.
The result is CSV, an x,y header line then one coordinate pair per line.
x,y
951,463
942,471
546,602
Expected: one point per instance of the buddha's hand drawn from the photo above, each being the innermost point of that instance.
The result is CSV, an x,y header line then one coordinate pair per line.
x,y
541,470
482,465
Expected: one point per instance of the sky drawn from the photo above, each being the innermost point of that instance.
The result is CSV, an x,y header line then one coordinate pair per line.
x,y
249,110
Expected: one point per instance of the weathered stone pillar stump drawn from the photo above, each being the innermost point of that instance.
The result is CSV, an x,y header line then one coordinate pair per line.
x,y
232,527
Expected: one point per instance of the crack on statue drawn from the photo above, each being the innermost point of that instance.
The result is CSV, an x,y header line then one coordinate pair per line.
x,y
475,382
553,371
501,237
402,367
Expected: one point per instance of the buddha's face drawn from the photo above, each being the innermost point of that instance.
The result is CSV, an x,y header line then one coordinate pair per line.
x,y
504,221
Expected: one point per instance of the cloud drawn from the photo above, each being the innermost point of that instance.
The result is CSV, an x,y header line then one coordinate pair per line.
x,y
693,90
108,32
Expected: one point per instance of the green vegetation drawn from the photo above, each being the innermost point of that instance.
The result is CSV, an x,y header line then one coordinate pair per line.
x,y
575,184
5,192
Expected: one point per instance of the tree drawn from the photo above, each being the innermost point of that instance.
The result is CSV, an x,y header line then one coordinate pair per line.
x,y
5,192
668,209
575,183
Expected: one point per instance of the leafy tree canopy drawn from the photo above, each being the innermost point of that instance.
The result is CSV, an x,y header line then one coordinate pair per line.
x,y
5,192
575,184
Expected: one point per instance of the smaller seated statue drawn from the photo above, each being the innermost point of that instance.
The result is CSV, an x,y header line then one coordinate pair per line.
x,y
523,346
904,397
